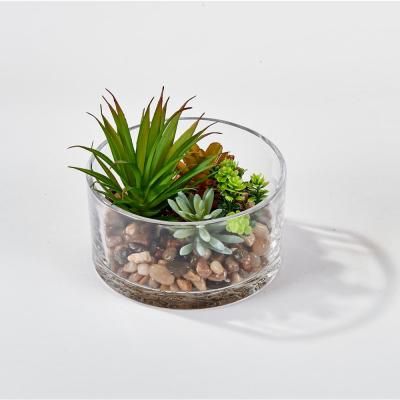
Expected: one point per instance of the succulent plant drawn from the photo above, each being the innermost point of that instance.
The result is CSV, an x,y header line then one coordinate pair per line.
x,y
240,225
196,155
230,184
140,178
201,238
256,188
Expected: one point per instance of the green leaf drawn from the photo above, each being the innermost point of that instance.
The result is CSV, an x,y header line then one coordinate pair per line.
x,y
208,200
184,233
229,238
203,233
186,250
197,205
141,143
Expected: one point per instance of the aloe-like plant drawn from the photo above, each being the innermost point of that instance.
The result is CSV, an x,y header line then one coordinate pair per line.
x,y
201,238
140,178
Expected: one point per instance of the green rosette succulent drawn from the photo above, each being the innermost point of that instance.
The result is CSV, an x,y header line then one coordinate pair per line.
x,y
201,238
240,225
229,181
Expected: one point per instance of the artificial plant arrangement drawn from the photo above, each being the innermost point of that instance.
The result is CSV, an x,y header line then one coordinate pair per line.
x,y
166,176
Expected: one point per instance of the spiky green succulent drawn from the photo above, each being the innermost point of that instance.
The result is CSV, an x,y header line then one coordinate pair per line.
x,y
201,238
256,188
240,225
140,178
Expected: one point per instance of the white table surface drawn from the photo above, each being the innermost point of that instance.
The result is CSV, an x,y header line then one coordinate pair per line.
x,y
322,81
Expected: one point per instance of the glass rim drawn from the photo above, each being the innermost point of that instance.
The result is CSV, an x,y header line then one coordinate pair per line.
x,y
279,186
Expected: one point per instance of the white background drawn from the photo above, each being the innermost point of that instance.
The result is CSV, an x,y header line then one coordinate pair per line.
x,y
322,81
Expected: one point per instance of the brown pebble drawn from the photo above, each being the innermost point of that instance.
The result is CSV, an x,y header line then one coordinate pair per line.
x,y
135,277
202,268
200,285
131,229
144,280
207,254
217,267
122,273
142,257
112,241
174,287
260,231
231,264
161,274
219,257
169,253
153,284
249,239
130,267
162,262
184,285
236,278
255,260
191,276
164,288
143,269
260,247
246,262
217,277
173,243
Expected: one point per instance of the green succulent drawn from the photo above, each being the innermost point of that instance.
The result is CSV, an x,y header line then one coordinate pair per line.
x,y
256,188
201,238
229,180
240,225
140,178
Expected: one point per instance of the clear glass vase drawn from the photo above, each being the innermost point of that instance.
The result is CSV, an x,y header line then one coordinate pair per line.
x,y
139,257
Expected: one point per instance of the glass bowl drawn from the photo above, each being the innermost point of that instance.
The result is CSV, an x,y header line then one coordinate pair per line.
x,y
139,257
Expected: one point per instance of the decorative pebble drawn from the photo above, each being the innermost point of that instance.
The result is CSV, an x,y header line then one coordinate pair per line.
x,y
246,262
112,241
200,285
184,285
121,254
260,247
131,229
153,284
122,273
249,239
135,277
138,233
164,288
173,243
219,257
231,264
217,267
239,254
174,287
161,274
207,254
202,268
143,257
236,278
191,276
143,269
130,267
260,231
179,267
136,247
217,277
255,260
162,262
144,280
169,253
